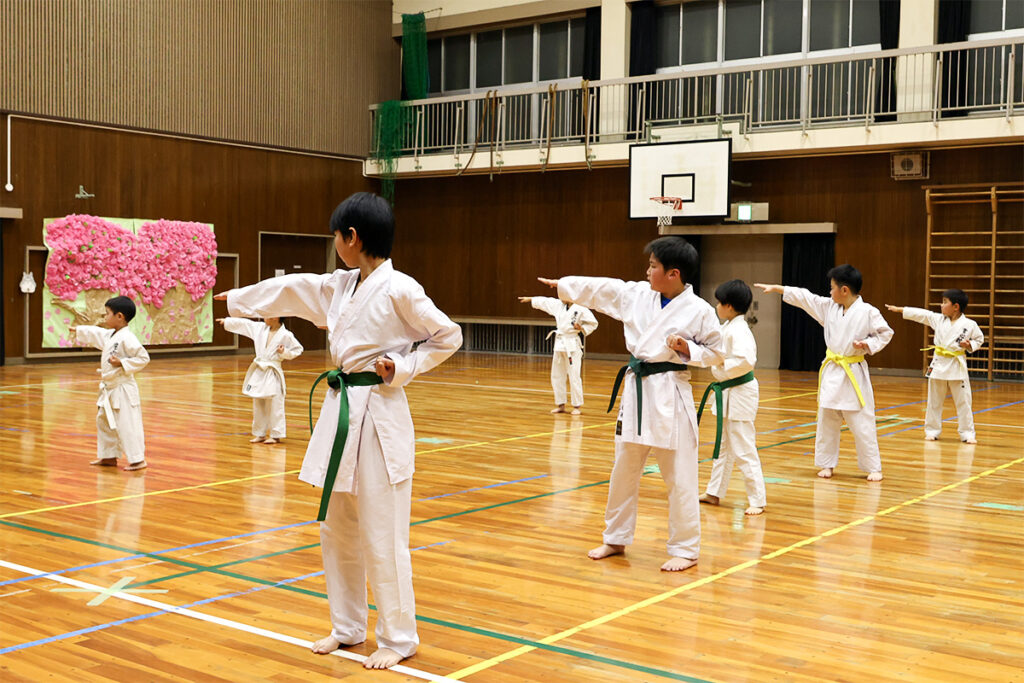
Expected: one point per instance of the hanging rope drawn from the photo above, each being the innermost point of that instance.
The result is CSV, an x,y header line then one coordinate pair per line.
x,y
486,102
585,85
552,90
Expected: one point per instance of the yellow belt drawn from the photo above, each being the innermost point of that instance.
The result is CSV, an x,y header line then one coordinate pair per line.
x,y
844,362
943,351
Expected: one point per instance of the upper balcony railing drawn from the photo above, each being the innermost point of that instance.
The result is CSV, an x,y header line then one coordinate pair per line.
x,y
978,78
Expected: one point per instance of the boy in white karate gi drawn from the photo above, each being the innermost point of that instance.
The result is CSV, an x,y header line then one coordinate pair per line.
x,y
955,336
739,400
853,329
667,327
264,381
363,444
119,418
571,320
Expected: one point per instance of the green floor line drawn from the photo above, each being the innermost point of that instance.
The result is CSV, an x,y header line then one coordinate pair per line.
x,y
429,620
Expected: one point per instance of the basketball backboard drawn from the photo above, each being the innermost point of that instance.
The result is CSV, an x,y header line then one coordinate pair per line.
x,y
695,171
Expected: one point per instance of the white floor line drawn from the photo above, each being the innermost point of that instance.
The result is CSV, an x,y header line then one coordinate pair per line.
x,y
238,626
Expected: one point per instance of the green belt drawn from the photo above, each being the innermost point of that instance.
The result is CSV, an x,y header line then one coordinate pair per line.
x,y
336,379
640,370
718,387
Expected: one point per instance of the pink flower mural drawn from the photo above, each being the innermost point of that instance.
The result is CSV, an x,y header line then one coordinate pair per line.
x,y
167,267
87,252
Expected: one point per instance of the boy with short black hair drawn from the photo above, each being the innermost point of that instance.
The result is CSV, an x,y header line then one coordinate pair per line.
x,y
119,418
667,327
853,329
735,383
363,445
955,336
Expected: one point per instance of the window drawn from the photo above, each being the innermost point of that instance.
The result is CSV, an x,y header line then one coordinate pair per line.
x,y
782,27
456,63
700,31
831,23
989,16
519,54
742,29
506,56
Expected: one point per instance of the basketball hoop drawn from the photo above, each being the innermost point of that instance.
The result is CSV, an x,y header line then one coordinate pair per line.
x,y
667,208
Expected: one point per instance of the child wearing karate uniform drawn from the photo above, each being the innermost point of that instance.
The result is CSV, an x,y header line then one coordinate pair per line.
x,y
667,327
853,330
739,396
119,418
361,451
264,381
571,320
955,336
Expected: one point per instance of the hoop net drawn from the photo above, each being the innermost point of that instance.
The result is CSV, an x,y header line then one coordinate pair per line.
x,y
667,207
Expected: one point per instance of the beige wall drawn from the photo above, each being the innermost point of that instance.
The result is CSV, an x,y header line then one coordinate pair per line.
x,y
275,72
751,258
445,15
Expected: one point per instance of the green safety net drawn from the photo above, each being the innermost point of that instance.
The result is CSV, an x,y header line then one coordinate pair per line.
x,y
389,133
391,121
415,69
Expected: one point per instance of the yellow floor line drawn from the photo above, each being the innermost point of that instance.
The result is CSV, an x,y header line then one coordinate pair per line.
x,y
487,664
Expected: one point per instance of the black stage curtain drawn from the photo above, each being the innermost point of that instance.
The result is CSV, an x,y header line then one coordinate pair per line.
x,y
643,58
805,260
889,30
954,25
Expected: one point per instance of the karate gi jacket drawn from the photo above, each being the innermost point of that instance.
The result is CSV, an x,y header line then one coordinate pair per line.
x,y
860,322
118,389
667,397
740,351
948,335
385,316
567,337
265,377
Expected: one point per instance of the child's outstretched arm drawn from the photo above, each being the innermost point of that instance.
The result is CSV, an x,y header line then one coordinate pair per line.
x,y
542,303
298,295
604,294
242,326
917,315
815,306
90,335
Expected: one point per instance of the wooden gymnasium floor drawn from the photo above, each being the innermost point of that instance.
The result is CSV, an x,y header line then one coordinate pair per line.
x,y
917,578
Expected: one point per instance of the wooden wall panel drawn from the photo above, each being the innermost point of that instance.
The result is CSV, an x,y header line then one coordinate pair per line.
x,y
241,191
276,72
476,244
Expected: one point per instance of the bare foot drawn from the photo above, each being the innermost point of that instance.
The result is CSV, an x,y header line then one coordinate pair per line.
x,y
105,462
131,467
753,510
825,473
709,499
969,440
257,439
270,440
606,550
576,411
558,409
326,645
931,438
875,476
678,564
383,658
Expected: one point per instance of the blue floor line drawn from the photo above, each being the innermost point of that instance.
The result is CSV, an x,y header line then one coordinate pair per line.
x,y
140,617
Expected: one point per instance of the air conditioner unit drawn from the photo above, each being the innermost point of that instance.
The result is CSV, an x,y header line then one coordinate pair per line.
x,y
909,165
